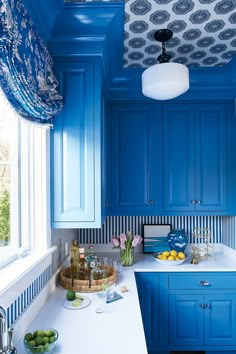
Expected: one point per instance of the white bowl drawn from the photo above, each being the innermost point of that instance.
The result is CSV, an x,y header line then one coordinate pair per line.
x,y
168,263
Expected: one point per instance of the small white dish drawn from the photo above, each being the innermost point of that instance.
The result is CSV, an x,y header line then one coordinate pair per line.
x,y
69,304
168,263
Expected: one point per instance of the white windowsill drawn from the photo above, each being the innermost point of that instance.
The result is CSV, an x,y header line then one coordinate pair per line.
x,y
20,267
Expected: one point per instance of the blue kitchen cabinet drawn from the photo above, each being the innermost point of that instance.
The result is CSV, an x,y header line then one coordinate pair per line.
x,y
148,292
135,164
202,309
195,175
188,311
76,146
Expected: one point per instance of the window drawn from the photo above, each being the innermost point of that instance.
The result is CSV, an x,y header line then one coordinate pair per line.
x,y
24,162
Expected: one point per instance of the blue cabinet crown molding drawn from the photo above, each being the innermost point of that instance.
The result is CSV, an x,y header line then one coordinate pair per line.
x,y
91,29
205,83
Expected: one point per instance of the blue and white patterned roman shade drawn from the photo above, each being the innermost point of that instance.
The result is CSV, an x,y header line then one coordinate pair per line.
x,y
26,75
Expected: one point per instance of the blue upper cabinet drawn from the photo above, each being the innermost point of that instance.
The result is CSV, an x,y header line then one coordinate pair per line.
x,y
195,176
76,142
135,141
178,157
171,158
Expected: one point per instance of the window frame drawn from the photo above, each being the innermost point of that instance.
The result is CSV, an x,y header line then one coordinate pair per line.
x,y
30,170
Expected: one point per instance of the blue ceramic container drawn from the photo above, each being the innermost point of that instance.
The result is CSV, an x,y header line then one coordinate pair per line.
x,y
177,240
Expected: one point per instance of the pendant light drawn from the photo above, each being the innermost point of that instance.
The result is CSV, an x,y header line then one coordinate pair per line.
x,y
165,80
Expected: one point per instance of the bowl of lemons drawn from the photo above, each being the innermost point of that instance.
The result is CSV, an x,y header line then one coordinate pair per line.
x,y
170,258
40,341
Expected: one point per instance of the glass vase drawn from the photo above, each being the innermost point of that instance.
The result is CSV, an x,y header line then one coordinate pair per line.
x,y
127,256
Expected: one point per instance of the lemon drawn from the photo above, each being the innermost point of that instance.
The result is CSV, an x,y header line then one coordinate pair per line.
x,y
181,255
166,253
177,258
171,258
77,302
173,253
164,258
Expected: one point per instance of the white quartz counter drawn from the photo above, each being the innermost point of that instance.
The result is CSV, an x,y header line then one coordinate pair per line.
x,y
119,329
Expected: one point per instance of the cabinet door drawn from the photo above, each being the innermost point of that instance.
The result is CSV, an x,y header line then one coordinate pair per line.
x,y
220,319
211,157
148,293
186,319
76,182
135,137
178,157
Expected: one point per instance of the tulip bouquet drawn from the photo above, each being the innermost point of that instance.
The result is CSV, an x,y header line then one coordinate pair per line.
x,y
126,243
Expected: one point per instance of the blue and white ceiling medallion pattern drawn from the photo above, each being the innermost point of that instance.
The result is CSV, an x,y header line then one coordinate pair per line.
x,y
204,31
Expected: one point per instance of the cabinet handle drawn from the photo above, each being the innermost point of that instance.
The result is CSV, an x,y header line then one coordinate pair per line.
x,y
151,202
204,283
193,201
202,306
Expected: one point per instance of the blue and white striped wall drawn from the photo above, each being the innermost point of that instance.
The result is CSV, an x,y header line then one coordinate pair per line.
x,y
26,297
117,224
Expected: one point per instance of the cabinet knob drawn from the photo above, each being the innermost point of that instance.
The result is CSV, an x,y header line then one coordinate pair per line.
x,y
106,205
151,202
208,306
198,201
193,201
202,306
204,283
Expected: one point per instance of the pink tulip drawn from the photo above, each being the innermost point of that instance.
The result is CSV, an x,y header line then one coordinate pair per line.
x,y
123,238
115,242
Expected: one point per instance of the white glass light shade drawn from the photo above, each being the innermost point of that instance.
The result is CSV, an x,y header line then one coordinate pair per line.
x,y
165,81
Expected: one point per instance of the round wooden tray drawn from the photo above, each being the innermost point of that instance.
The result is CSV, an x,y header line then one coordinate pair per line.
x,y
84,285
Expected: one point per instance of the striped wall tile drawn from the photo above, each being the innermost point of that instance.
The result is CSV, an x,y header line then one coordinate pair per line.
x,y
228,231
23,300
117,224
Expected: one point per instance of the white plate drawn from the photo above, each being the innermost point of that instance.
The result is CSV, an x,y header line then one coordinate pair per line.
x,y
69,304
169,263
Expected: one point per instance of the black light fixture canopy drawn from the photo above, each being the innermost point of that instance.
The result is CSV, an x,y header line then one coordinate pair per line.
x,y
163,35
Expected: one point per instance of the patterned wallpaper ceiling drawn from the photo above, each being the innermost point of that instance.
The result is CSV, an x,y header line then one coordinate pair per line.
x,y
204,31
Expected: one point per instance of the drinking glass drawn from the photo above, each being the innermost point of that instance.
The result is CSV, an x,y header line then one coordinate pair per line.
x,y
99,301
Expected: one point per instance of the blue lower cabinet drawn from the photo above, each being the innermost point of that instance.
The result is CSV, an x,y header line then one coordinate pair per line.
x,y
186,322
148,291
193,312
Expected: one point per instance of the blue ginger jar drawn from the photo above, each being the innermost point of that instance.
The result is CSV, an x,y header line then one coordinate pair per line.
x,y
177,240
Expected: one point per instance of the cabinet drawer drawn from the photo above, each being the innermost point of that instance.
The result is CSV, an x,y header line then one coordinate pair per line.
x,y
202,281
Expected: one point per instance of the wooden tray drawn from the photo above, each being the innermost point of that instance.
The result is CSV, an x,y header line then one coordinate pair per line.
x,y
83,285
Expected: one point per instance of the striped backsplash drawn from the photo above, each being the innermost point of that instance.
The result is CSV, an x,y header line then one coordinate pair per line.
x,y
228,231
117,224
23,300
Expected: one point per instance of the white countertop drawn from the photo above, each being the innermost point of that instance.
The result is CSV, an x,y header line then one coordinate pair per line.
x,y
119,329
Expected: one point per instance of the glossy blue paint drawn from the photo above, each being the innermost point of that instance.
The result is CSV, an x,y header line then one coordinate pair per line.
x,y
134,140
98,27
178,157
195,157
182,315
95,29
171,159
76,140
148,292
